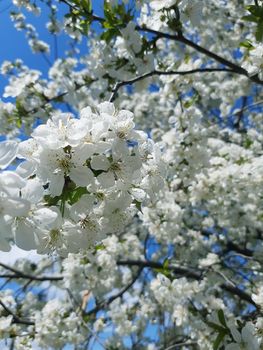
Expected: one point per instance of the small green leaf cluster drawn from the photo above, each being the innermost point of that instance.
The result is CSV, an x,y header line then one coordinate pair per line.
x,y
116,18
256,16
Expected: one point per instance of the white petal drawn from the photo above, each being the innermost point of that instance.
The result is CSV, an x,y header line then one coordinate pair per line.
x,y
11,183
235,333
5,322
15,206
100,163
45,216
82,176
8,152
138,194
26,168
77,131
106,180
4,245
56,184
86,113
106,107
33,191
24,236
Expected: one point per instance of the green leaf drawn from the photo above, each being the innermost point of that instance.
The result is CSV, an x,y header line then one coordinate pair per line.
x,y
116,17
86,318
250,18
86,5
259,31
191,101
217,327
99,247
166,264
218,340
247,44
109,34
254,10
52,200
248,143
221,317
19,122
138,205
76,194
84,25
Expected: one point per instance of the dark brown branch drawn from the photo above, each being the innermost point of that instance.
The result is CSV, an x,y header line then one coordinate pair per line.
x,y
20,274
240,113
206,52
159,73
16,319
239,250
238,292
195,274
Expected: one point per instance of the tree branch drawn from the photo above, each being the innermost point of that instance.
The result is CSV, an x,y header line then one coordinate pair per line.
x,y
20,274
206,52
182,39
159,73
16,319
195,274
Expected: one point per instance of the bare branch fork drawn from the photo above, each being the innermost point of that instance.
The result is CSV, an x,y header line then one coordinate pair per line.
x,y
116,296
180,38
159,73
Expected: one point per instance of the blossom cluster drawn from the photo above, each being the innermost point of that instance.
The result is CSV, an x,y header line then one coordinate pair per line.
x,y
157,232
79,180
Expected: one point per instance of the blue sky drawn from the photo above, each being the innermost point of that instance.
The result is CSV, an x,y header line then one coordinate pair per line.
x,y
14,44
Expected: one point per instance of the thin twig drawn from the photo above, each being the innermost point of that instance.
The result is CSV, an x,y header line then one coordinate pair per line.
x,y
247,108
55,46
240,114
57,97
46,59
116,296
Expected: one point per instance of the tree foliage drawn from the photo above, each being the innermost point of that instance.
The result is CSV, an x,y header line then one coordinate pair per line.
x,y
134,170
